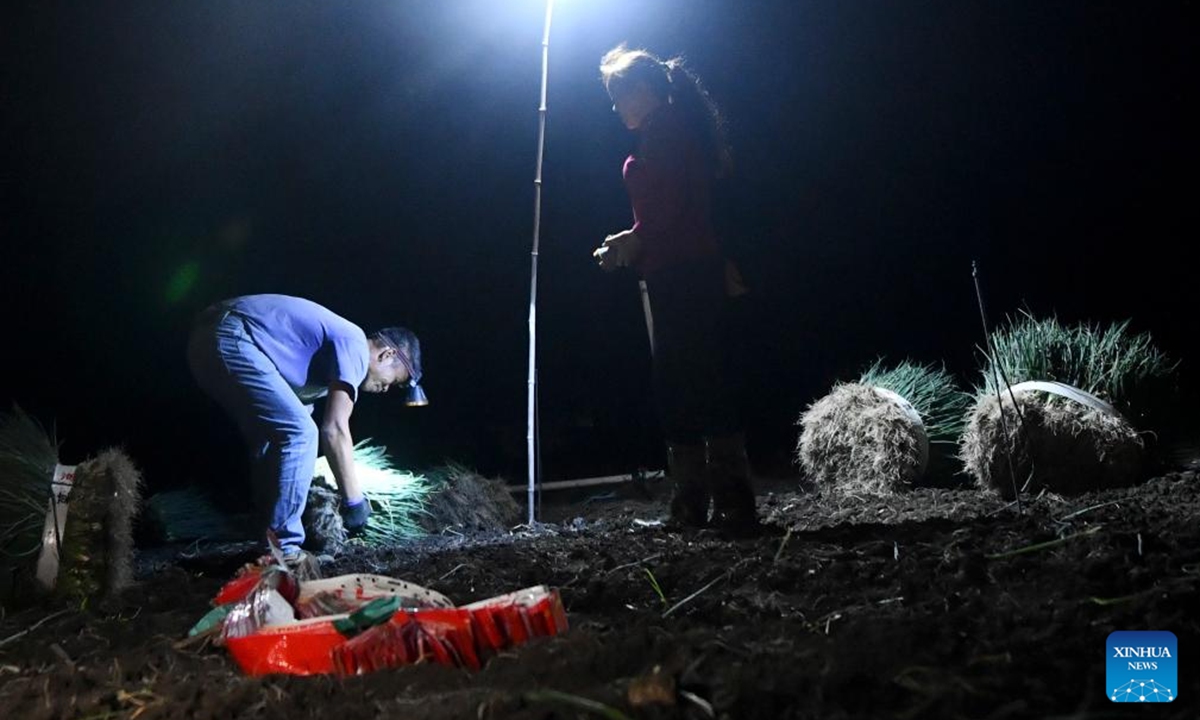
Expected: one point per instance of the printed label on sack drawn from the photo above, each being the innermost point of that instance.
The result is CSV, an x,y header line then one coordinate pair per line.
x,y
55,525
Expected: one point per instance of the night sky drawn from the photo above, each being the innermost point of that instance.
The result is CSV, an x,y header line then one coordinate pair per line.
x,y
378,157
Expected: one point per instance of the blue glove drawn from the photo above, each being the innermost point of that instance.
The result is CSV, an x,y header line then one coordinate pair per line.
x,y
355,516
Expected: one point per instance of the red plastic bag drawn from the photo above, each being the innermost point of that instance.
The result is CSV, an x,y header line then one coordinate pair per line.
x,y
264,636
302,648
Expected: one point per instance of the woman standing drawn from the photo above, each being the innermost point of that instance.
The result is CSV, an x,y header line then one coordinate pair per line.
x,y
673,247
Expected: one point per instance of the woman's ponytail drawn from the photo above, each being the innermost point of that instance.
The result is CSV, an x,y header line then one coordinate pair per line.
x,y
689,95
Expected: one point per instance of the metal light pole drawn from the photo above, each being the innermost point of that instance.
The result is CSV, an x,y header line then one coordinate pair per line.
x,y
531,418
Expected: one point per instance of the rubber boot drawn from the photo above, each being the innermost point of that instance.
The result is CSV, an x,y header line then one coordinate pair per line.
x,y
734,512
690,501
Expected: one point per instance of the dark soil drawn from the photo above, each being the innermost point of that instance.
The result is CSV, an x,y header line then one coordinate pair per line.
x,y
919,606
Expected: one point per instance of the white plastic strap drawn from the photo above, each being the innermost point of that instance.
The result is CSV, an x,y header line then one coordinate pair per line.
x,y
1066,391
915,417
55,525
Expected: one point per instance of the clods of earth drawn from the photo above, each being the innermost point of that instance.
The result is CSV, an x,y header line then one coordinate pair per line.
x,y
936,603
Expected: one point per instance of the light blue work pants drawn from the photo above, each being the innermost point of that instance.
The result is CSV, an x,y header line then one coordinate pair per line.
x,y
277,427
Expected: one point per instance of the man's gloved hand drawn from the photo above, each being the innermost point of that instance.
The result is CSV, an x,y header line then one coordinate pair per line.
x,y
619,250
355,516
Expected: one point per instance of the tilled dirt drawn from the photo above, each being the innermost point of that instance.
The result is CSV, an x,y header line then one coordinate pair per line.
x,y
930,604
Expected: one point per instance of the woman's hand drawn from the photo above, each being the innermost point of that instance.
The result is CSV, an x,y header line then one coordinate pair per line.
x,y
605,257
619,250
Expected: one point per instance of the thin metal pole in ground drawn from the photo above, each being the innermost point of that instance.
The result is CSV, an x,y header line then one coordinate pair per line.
x,y
998,376
531,415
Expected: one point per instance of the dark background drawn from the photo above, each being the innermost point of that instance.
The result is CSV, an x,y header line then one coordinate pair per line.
x,y
378,157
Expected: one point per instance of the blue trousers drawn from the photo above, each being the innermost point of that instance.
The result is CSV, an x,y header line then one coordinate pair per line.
x,y
277,427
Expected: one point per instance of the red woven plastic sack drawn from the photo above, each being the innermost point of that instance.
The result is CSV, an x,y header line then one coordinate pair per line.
x,y
275,624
